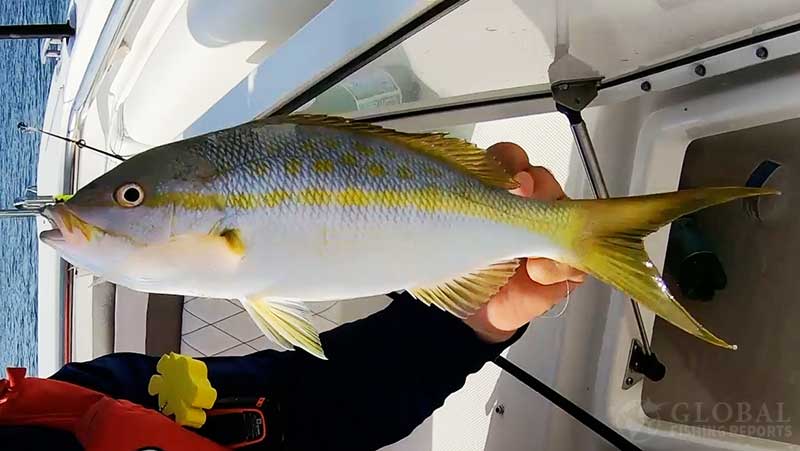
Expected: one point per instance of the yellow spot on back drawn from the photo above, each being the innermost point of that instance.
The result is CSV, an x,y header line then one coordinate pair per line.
x,y
376,169
349,159
234,240
363,149
293,166
260,169
454,152
330,143
323,166
405,173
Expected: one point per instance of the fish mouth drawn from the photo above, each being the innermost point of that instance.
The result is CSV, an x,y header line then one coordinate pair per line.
x,y
52,236
68,227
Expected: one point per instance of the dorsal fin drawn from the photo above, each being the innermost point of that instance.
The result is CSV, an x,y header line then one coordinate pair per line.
x,y
456,152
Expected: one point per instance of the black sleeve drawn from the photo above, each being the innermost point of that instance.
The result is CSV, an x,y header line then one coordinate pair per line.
x,y
122,375
37,438
385,375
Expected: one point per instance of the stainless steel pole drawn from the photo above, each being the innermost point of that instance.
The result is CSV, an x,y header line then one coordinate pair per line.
x,y
598,184
18,213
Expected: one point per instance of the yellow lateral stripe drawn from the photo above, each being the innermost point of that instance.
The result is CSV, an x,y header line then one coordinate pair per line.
x,y
425,199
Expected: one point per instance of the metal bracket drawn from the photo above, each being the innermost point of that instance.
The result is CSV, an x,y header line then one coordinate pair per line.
x,y
641,365
574,83
575,94
632,376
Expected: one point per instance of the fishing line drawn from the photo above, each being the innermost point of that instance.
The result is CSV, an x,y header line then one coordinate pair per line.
x,y
25,128
563,309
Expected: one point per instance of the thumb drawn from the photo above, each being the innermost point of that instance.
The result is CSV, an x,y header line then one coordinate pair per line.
x,y
525,188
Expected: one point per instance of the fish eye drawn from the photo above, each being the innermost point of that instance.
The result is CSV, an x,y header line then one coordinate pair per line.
x,y
129,195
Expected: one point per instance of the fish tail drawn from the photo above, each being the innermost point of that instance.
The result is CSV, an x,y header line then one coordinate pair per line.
x,y
606,241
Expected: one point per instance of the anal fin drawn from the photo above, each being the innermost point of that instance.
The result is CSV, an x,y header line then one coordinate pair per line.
x,y
286,323
466,295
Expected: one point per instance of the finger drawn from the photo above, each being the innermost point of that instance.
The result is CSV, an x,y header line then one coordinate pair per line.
x,y
526,186
545,186
511,156
548,272
522,301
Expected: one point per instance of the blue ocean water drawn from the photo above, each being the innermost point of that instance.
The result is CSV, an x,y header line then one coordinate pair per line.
x,y
24,84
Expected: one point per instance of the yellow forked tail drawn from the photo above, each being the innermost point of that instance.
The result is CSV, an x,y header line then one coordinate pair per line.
x,y
609,245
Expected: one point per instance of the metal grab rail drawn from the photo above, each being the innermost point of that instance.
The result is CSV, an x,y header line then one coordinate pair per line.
x,y
18,214
30,205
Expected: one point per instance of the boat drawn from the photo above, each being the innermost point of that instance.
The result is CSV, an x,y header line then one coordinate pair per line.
x,y
615,98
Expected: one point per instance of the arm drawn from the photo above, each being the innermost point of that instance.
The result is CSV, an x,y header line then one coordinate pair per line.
x,y
386,375
408,357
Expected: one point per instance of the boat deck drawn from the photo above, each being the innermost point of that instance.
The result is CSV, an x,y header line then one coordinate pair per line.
x,y
219,327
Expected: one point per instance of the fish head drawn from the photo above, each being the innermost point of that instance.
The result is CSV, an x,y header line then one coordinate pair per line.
x,y
128,209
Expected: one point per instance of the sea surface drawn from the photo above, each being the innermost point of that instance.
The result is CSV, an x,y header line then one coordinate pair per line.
x,y
24,84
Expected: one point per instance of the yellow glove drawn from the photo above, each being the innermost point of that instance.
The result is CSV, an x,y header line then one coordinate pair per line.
x,y
183,389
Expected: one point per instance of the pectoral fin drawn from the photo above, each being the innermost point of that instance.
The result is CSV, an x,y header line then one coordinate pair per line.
x,y
285,323
465,295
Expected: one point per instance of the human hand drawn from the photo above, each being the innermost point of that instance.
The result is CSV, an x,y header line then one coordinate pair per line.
x,y
539,283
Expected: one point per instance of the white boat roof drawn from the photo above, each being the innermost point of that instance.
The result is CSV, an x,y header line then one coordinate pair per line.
x,y
488,48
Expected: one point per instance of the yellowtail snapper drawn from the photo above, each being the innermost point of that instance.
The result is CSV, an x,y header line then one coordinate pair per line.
x,y
283,211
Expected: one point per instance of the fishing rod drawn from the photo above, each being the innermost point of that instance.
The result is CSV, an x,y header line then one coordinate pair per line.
x,y
575,411
25,128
